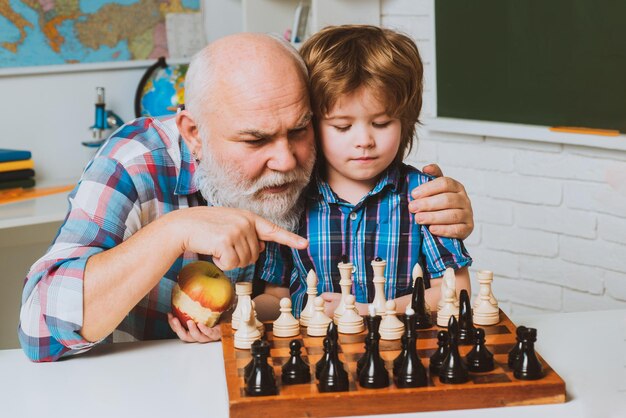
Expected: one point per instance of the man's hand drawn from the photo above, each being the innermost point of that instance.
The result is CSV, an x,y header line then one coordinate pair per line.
x,y
195,333
233,237
443,204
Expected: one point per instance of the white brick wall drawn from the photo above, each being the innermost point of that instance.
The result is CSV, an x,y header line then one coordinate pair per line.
x,y
550,218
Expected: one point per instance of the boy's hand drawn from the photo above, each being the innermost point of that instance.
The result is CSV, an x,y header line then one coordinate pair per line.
x,y
443,204
195,333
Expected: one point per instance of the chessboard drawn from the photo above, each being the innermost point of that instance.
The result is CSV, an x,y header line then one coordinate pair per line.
x,y
484,390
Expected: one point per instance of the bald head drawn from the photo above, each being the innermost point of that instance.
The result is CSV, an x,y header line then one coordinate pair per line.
x,y
237,66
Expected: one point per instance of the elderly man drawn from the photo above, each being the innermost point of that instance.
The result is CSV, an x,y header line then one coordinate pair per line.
x,y
218,181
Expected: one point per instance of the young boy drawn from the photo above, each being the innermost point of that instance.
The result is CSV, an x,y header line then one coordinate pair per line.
x,y
366,92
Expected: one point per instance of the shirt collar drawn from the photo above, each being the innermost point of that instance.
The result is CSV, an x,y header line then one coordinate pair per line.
x,y
185,184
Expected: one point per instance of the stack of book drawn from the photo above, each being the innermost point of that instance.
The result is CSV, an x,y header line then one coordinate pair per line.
x,y
16,169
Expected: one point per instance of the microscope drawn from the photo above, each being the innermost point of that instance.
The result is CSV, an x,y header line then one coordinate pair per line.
x,y
105,122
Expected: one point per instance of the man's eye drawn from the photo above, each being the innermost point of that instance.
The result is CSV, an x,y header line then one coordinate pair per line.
x,y
256,142
296,133
381,125
343,128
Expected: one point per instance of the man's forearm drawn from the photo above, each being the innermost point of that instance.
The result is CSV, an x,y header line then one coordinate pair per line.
x,y
117,279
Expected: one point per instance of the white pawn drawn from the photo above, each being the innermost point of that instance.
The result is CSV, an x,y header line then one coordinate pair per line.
x,y
379,286
345,271
259,324
318,324
350,322
449,309
247,332
311,291
243,290
391,328
485,312
286,325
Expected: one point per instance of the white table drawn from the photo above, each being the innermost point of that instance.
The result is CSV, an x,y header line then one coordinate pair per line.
x,y
173,379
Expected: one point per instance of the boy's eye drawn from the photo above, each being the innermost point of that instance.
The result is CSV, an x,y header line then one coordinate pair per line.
x,y
381,124
342,128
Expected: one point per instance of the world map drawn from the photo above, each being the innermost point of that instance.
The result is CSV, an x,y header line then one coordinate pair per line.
x,y
51,32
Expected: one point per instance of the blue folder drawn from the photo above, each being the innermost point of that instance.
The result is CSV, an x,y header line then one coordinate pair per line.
x,y
13,155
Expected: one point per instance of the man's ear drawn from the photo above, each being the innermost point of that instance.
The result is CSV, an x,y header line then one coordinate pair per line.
x,y
188,129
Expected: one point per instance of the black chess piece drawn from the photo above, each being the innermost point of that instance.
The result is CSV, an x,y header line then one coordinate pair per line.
x,y
261,380
332,332
373,324
409,329
514,353
436,360
453,369
373,373
528,366
295,370
319,366
479,359
423,319
412,373
466,324
254,347
333,377
344,259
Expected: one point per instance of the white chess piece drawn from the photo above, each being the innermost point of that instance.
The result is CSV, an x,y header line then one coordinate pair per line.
x,y
345,271
318,324
243,290
485,311
258,323
487,277
286,325
247,331
379,286
350,322
449,308
311,291
391,328
442,292
417,272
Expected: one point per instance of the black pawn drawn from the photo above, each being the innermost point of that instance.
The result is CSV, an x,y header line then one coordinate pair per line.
x,y
418,303
514,353
295,370
528,366
480,358
412,373
333,377
373,374
409,330
466,324
373,324
453,369
254,347
261,381
436,360
319,366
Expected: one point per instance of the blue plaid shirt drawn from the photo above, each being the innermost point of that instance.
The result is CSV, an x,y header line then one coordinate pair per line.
x,y
380,225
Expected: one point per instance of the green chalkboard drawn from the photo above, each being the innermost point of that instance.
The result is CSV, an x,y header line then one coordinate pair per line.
x,y
538,62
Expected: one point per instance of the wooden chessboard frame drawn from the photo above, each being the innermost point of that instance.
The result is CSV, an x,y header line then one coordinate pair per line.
x,y
484,390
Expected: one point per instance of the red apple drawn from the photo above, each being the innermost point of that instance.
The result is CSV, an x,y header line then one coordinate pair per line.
x,y
202,293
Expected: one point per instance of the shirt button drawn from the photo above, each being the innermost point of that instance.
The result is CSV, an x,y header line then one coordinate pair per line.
x,y
353,216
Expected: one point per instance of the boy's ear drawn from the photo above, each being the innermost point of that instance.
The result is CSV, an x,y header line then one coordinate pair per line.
x,y
190,133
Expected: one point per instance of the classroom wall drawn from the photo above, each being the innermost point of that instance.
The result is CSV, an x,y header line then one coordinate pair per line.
x,y
550,218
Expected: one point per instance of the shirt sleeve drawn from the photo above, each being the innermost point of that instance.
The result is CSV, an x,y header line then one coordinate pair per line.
x,y
441,253
275,264
103,211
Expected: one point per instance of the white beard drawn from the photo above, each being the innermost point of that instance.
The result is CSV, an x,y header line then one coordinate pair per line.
x,y
223,186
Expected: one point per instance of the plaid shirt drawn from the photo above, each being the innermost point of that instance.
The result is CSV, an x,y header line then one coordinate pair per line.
x,y
380,225
141,173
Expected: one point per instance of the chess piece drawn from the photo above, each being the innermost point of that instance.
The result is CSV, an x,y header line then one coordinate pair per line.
x,y
378,264
514,353
486,311
391,328
411,373
466,325
345,271
436,360
259,324
311,292
261,380
442,292
528,366
286,325
333,377
417,272
295,370
418,304
373,323
453,369
449,308
479,359
350,322
319,321
319,366
255,346
247,332
373,373
409,320
243,290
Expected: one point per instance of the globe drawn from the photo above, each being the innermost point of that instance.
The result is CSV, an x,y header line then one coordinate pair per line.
x,y
161,89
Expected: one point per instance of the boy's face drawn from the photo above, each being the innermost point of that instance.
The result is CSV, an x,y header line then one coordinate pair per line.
x,y
358,139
